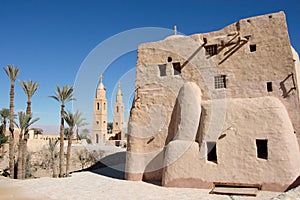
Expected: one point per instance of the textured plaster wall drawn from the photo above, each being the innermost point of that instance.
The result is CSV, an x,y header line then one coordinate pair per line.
x,y
153,120
237,160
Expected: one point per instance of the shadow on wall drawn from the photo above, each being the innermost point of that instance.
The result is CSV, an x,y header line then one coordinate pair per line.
x,y
112,166
296,183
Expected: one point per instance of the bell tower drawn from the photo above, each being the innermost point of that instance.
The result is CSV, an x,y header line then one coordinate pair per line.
x,y
118,123
100,115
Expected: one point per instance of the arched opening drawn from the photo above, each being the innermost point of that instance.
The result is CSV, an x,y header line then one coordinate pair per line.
x,y
117,109
98,106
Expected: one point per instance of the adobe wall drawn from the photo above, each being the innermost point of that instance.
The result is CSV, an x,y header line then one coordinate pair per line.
x,y
237,159
152,123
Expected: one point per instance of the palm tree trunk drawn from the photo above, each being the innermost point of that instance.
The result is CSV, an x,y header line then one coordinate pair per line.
x,y
11,129
54,174
24,154
69,152
61,144
19,162
11,155
28,109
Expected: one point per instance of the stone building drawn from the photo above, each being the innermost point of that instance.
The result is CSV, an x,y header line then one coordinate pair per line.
x,y
100,135
118,122
218,108
100,115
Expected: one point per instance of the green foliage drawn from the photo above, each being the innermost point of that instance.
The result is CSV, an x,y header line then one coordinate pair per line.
x,y
64,94
29,87
79,120
85,134
25,121
70,119
109,127
3,138
12,72
4,114
66,133
52,145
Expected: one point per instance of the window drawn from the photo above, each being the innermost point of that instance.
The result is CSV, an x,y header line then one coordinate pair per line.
x,y
169,59
97,138
117,123
104,122
269,87
177,68
212,152
117,109
220,81
211,50
98,106
247,37
262,149
252,47
97,122
162,70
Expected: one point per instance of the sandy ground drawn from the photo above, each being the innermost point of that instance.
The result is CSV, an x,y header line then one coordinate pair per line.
x,y
88,185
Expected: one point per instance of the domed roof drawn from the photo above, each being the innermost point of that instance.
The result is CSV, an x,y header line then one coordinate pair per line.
x,y
175,34
101,85
173,37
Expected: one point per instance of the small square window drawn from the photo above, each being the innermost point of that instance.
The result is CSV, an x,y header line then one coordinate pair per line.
x,y
269,87
252,47
162,70
211,50
262,149
211,152
220,81
177,68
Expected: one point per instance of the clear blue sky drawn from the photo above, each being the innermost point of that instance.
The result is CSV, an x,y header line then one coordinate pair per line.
x,y
50,39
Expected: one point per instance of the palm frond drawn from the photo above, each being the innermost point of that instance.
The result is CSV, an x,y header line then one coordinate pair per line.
x,y
29,87
70,120
12,72
64,94
25,121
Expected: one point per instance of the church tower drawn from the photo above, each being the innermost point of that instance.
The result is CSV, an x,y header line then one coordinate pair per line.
x,y
100,115
118,123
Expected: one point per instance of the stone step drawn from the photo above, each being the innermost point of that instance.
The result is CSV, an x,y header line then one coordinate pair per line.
x,y
235,191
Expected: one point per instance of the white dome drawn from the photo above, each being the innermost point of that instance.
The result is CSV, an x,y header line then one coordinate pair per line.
x,y
173,37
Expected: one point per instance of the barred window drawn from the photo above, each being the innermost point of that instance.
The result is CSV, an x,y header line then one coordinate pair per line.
x,y
220,81
211,50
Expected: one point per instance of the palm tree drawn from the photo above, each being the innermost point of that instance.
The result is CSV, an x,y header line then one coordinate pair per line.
x,y
52,147
4,114
29,88
12,72
25,121
62,95
79,122
70,119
